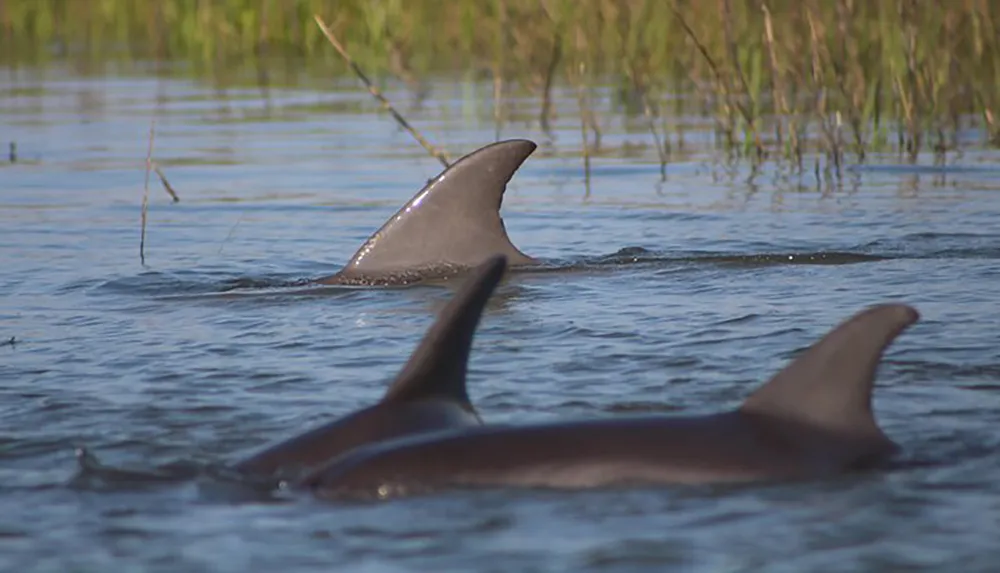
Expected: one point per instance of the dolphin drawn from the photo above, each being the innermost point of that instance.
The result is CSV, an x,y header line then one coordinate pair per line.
x,y
450,225
812,419
428,394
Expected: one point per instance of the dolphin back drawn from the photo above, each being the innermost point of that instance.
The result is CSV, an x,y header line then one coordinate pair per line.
x,y
451,224
812,419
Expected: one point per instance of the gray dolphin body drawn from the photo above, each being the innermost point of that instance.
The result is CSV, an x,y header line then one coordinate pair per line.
x,y
450,225
428,394
812,419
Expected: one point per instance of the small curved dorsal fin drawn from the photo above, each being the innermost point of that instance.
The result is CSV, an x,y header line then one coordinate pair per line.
x,y
453,222
829,386
437,368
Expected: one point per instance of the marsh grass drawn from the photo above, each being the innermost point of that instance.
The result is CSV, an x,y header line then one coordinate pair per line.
x,y
782,79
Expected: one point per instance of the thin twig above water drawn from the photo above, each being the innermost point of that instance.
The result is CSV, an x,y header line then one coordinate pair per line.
x,y
145,193
166,184
440,154
647,109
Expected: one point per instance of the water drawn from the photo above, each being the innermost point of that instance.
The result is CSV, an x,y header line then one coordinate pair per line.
x,y
674,297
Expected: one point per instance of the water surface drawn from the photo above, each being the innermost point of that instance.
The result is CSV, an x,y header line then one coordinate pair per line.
x,y
676,296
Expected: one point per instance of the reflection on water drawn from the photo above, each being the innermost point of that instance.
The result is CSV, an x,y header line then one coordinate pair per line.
x,y
675,296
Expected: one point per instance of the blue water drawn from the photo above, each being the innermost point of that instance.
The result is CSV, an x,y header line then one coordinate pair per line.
x,y
675,296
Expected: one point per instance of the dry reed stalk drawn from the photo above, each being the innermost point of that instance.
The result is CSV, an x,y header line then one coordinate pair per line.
x,y
498,87
793,150
145,194
232,230
661,150
593,121
550,72
905,99
582,44
992,126
497,102
852,86
499,68
647,110
439,154
749,113
730,102
912,99
581,98
817,35
978,94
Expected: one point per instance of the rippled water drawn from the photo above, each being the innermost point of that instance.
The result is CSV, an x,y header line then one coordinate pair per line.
x,y
674,296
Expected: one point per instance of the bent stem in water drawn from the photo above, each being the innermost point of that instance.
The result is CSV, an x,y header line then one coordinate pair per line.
x,y
440,155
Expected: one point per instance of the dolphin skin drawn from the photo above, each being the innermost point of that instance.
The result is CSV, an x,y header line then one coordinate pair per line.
x,y
449,226
812,419
427,395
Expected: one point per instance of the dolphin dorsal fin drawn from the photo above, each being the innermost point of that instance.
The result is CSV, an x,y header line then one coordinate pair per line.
x,y
437,367
453,222
830,385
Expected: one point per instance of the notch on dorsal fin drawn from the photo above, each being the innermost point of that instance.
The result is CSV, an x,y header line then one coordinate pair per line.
x,y
453,222
436,369
830,385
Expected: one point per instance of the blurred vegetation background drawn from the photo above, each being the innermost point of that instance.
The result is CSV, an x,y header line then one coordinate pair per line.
x,y
857,75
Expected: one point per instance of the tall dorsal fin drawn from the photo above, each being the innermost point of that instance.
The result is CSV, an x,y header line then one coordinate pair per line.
x,y
437,367
830,385
454,221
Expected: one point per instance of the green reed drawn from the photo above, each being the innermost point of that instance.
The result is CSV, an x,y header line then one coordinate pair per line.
x,y
782,78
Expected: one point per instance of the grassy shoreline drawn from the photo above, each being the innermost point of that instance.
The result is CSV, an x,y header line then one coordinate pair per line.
x,y
782,78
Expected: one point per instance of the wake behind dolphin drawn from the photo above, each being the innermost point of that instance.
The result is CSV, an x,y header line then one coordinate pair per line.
x,y
812,419
428,394
450,225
